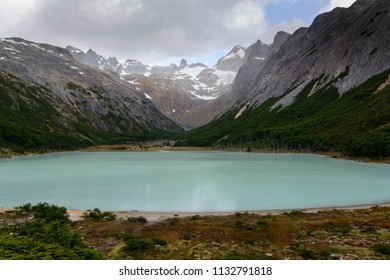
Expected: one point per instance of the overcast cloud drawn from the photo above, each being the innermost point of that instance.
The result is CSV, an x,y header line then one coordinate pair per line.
x,y
154,31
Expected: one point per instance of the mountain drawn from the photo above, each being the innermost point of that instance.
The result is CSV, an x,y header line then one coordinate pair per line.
x,y
177,91
49,100
325,88
256,56
343,47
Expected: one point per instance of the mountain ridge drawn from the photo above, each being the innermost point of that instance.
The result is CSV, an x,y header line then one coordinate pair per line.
x,y
68,99
307,51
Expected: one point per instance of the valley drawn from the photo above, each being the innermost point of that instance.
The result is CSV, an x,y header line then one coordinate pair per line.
x,y
161,147
303,92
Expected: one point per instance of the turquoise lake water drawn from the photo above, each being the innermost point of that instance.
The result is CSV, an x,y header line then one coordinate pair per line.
x,y
191,181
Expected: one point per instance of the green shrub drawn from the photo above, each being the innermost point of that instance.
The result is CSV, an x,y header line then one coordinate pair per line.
x,y
137,220
369,230
159,242
27,207
173,221
48,213
295,213
262,223
187,235
382,248
250,241
134,244
338,229
97,215
305,253
240,224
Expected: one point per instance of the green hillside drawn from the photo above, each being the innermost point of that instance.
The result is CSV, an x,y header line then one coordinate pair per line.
x,y
32,118
355,124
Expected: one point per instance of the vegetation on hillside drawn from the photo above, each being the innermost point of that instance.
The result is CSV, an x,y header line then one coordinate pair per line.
x,y
30,122
356,123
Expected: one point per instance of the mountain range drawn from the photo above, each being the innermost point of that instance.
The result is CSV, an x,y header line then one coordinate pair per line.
x,y
322,88
179,91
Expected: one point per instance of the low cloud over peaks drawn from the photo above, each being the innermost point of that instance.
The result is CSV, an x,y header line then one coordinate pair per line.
x,y
153,31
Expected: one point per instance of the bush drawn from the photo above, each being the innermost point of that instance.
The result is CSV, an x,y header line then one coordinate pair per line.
x,y
295,213
173,221
240,224
186,235
135,244
338,229
250,241
382,248
262,223
196,217
97,215
159,242
305,253
369,230
27,207
137,220
48,213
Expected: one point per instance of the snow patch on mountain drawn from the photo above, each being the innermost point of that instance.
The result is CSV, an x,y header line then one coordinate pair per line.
x,y
11,50
225,77
193,72
203,97
240,53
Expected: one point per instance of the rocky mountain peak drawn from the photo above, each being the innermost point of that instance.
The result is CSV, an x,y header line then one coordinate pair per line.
x,y
183,63
281,36
113,61
233,60
91,52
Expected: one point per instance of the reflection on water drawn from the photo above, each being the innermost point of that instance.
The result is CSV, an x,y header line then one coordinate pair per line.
x,y
191,181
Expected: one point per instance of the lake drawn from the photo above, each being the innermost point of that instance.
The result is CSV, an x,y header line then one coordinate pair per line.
x,y
191,181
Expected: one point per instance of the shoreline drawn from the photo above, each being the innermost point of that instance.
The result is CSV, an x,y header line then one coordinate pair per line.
x,y
131,148
158,216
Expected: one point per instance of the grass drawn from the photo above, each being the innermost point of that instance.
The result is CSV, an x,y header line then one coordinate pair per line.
x,y
362,234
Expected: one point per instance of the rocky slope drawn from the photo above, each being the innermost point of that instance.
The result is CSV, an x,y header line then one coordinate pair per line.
x,y
326,88
178,91
64,97
342,48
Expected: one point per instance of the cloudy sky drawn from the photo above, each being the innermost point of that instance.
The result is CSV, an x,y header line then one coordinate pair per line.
x,y
158,31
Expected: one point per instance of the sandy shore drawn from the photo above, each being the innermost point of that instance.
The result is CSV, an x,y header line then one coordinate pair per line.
x,y
75,215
